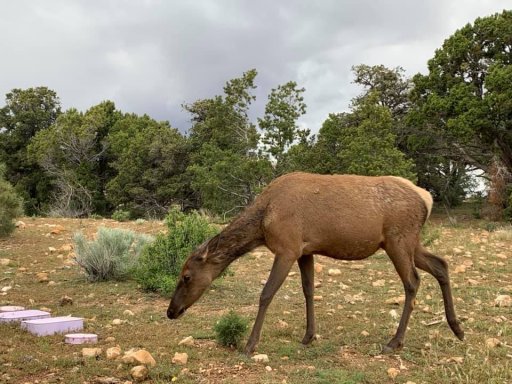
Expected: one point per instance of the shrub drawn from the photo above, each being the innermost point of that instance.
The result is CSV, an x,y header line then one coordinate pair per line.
x,y
161,261
230,329
121,215
429,234
10,206
112,256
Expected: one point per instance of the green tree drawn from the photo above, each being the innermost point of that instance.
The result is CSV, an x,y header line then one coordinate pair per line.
x,y
225,169
73,151
150,159
10,205
26,112
279,123
462,97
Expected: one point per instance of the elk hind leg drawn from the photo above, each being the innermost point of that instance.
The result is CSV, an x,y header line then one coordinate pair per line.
x,y
438,268
307,273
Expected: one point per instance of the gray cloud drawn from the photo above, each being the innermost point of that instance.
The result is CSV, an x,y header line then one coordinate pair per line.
x,y
151,56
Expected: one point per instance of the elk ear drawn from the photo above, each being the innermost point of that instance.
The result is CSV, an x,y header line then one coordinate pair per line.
x,y
203,256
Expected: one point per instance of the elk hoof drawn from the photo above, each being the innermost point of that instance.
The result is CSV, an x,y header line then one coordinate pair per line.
x,y
391,348
308,339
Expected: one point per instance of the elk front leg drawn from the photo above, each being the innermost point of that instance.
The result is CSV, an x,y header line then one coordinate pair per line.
x,y
281,267
307,273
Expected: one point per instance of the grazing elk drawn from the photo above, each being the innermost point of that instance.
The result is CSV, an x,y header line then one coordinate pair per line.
x,y
345,217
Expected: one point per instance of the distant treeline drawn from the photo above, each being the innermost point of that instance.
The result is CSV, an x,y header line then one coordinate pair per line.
x,y
434,129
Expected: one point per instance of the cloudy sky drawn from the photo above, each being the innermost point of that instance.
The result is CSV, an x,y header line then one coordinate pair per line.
x,y
151,56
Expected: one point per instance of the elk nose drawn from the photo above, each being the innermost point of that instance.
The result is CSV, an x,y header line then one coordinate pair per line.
x,y
171,314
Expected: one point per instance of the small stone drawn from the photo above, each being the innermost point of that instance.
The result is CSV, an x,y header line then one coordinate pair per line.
x,y
66,248
139,357
318,298
492,343
260,358
503,301
187,341
91,352
410,382
65,300
52,283
394,314
365,333
127,312
42,277
282,324
180,358
268,368
334,272
460,269
113,352
457,251
117,322
52,249
379,283
110,339
393,373
396,300
139,373
319,268
20,224
5,262
6,288
293,273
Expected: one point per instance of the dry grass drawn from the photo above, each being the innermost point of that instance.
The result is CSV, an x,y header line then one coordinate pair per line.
x,y
352,315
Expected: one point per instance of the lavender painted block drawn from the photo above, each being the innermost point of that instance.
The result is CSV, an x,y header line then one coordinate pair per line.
x,y
11,308
81,338
17,316
53,325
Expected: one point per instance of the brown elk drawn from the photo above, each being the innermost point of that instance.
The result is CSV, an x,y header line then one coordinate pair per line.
x,y
345,217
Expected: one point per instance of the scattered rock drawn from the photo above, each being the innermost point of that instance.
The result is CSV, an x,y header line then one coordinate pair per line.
x,y
66,248
379,283
6,288
492,343
393,373
282,324
5,262
20,224
460,269
457,251
365,333
65,300
268,368
113,352
110,339
503,301
260,358
396,300
139,373
117,322
319,268
180,358
91,352
318,298
52,283
57,230
127,312
52,249
42,277
334,272
187,341
293,273
139,357
394,314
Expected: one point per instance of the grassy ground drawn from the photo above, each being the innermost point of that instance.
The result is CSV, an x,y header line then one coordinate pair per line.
x,y
355,313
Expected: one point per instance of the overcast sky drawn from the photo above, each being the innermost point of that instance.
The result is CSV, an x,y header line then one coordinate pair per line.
x,y
152,56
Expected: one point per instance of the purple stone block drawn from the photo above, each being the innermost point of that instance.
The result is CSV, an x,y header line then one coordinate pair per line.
x,y
53,325
11,308
17,316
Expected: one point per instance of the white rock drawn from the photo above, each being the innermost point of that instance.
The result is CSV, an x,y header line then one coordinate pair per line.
x,y
91,352
138,357
180,358
117,322
188,341
113,352
139,373
334,272
393,373
268,368
6,288
492,343
260,358
503,301
5,262
20,224
52,249
127,312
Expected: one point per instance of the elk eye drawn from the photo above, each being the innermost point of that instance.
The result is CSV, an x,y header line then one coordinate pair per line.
x,y
186,278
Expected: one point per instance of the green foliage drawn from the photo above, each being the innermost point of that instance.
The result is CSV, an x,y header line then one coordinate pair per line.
x,y
161,261
230,329
150,159
26,112
121,215
113,255
279,124
10,205
429,234
73,151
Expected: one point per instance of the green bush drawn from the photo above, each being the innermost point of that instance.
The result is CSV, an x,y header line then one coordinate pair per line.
x,y
112,256
429,234
121,215
230,329
10,205
161,261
